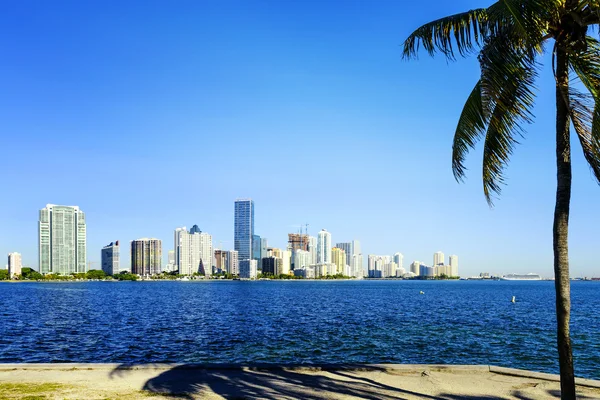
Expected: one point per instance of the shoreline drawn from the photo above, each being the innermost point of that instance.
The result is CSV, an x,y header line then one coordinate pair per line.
x,y
374,381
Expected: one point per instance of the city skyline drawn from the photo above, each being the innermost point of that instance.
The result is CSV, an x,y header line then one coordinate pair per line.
x,y
221,87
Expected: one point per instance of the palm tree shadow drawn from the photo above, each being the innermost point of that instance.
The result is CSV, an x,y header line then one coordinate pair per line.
x,y
269,382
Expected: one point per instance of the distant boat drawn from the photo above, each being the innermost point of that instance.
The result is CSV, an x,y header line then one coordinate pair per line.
x,y
521,277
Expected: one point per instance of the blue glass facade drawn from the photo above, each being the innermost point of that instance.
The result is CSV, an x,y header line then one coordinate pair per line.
x,y
243,228
256,247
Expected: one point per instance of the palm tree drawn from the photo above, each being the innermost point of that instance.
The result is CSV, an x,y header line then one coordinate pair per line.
x,y
510,36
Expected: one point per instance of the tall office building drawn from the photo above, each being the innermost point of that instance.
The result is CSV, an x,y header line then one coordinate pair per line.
x,y
227,261
399,260
146,256
357,267
263,247
110,258
338,257
14,264
62,240
193,251
415,267
243,228
438,258
351,248
377,265
453,261
256,247
324,247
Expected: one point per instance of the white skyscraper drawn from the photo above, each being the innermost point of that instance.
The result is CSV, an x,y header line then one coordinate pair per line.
x,y
438,258
357,266
62,240
415,267
324,247
312,248
453,260
193,251
233,264
14,264
302,259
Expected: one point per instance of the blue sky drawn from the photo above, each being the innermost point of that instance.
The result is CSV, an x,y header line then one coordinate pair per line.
x,y
151,115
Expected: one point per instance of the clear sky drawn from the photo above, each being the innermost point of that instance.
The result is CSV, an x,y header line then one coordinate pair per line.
x,y
151,115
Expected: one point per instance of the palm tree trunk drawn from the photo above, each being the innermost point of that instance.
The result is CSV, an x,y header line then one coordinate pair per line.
x,y
561,228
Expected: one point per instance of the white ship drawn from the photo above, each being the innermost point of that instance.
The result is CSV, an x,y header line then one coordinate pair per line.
x,y
520,277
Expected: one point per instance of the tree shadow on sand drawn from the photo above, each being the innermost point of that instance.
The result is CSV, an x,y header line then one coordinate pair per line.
x,y
269,382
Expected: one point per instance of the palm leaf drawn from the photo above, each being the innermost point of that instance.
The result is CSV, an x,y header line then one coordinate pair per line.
x,y
471,127
466,30
508,73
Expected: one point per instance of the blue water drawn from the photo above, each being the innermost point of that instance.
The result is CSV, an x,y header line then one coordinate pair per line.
x,y
297,322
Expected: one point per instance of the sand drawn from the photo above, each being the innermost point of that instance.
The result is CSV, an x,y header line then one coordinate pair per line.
x,y
113,381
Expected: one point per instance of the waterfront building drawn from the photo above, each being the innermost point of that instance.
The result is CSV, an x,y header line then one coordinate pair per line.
x,y
426,270
298,241
357,265
248,269
170,267
243,228
263,247
256,247
233,265
324,247
377,265
302,259
438,258
14,264
415,268
272,265
338,257
390,270
286,262
453,261
221,260
400,272
146,256
399,260
61,240
193,251
312,248
110,258
274,252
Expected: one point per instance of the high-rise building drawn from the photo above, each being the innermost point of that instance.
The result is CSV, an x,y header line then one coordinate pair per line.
x,y
415,267
62,240
272,265
14,264
298,241
227,261
438,258
348,250
302,259
338,257
377,265
243,228
248,269
357,266
399,260
263,247
193,251
453,261
312,248
110,258
221,260
146,256
256,247
324,247
286,262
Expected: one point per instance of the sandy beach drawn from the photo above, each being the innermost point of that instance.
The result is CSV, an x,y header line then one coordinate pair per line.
x,y
101,381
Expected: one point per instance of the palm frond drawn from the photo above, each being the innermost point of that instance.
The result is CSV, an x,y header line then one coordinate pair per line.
x,y
508,73
466,30
585,110
470,129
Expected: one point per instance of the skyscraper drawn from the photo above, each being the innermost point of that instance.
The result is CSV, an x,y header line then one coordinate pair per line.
x,y
256,247
146,256
312,248
62,240
110,258
324,247
338,257
453,260
399,260
14,264
243,228
248,269
193,251
438,258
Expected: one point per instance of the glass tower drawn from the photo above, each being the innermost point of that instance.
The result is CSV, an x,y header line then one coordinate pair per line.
x,y
62,240
243,228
